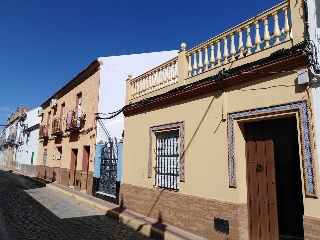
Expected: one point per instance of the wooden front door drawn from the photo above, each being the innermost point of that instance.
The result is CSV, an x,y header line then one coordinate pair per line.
x,y
85,163
275,200
73,166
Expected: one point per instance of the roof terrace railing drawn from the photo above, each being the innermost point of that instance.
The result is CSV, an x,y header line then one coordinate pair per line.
x,y
158,78
265,31
222,49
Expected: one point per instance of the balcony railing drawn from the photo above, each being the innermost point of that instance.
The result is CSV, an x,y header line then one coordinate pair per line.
x,y
43,132
74,121
161,77
57,127
249,41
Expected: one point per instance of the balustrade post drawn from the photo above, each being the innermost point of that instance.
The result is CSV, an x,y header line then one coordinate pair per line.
x,y
219,54
130,91
232,49
160,76
147,85
276,31
266,36
240,47
152,83
225,50
189,67
248,43
195,65
169,74
173,72
206,60
142,82
212,60
165,77
200,65
257,40
286,28
183,65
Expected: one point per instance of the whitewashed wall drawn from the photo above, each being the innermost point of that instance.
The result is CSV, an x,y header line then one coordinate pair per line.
x,y
24,151
313,7
112,91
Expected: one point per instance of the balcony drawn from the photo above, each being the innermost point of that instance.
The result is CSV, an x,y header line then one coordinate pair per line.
x,y
280,27
43,132
57,127
75,120
22,116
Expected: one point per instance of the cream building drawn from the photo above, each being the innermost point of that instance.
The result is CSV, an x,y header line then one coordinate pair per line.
x,y
219,141
72,130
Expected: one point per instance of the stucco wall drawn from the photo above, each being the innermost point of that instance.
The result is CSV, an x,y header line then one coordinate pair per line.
x,y
206,143
114,73
30,144
86,135
314,31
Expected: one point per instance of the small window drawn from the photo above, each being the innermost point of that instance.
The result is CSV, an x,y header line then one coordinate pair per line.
x,y
79,100
167,166
44,161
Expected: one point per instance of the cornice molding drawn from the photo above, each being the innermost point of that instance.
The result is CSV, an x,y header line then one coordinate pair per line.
x,y
284,63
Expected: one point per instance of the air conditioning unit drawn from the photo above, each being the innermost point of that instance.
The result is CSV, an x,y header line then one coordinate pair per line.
x,y
53,103
40,112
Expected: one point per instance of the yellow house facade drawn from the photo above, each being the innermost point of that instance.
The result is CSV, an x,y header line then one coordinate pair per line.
x,y
220,140
67,132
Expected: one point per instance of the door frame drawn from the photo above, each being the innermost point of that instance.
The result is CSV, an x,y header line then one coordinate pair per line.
x,y
265,145
236,142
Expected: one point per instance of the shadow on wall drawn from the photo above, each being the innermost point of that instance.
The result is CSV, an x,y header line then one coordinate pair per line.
x,y
115,212
158,228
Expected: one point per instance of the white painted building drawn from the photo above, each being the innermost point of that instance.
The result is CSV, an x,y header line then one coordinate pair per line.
x,y
114,73
28,136
112,91
312,10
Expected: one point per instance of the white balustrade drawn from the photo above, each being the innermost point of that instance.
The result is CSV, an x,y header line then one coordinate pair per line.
x,y
218,51
198,56
158,78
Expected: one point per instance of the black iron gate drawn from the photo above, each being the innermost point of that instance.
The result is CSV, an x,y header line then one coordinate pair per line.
x,y
108,169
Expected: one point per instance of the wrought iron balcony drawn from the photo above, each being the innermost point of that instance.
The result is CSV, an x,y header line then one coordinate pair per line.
x,y
57,127
43,132
22,115
74,121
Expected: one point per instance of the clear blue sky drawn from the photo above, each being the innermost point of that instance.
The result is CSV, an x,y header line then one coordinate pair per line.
x,y
45,43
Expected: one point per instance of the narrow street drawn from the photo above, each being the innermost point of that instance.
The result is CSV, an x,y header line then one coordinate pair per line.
x,y
31,211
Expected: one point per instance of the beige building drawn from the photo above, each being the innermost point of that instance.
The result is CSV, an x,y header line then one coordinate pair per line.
x,y
220,140
75,127
67,131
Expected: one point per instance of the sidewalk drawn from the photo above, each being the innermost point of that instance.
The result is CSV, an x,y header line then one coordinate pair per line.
x,y
136,221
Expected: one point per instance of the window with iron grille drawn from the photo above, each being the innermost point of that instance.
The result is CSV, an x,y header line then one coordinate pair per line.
x,y
44,161
167,159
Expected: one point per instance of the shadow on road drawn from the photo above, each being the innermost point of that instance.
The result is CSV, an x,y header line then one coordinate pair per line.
x,y
23,217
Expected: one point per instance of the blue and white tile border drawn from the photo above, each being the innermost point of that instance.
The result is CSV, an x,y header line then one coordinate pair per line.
x,y
305,134
178,125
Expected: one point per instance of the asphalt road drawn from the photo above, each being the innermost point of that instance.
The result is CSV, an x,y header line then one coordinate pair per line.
x,y
31,211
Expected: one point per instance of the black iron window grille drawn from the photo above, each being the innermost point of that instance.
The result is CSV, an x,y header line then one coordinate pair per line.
x,y
167,160
44,161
